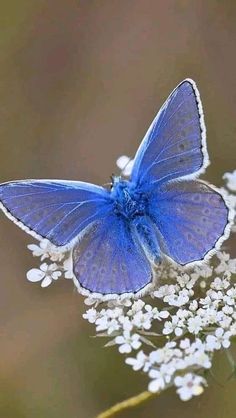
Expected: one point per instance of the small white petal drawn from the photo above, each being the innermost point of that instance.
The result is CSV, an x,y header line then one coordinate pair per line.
x,y
46,282
125,348
35,275
44,267
55,275
154,386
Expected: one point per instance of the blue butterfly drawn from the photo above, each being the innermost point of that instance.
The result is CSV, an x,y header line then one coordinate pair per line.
x,y
118,237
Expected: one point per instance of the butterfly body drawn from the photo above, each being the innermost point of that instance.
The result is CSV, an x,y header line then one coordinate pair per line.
x,y
127,201
118,237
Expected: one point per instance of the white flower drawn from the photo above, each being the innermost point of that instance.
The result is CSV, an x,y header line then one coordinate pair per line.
x,y
126,323
102,323
120,302
91,315
185,281
189,385
137,306
220,284
218,340
68,268
46,250
105,323
179,299
127,342
142,320
158,381
208,314
223,317
193,305
155,313
125,164
46,274
204,271
113,326
230,180
114,313
165,291
194,324
165,354
232,292
226,265
140,362
173,326
201,358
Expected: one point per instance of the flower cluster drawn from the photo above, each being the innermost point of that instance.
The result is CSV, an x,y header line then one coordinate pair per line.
x,y
174,344
59,264
171,335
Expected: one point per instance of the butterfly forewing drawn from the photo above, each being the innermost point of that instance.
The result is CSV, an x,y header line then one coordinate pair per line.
x,y
56,210
174,145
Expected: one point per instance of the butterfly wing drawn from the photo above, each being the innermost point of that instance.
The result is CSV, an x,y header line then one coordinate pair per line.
x,y
192,219
175,145
110,260
52,209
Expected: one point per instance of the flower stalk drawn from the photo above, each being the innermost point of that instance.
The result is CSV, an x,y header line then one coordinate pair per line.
x,y
132,402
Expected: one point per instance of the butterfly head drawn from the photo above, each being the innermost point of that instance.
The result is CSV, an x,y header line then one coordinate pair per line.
x,y
115,180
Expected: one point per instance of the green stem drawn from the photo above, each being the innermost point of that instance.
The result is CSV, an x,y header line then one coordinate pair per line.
x,y
128,403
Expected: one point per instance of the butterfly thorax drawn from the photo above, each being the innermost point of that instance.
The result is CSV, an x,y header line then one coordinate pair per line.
x,y
127,202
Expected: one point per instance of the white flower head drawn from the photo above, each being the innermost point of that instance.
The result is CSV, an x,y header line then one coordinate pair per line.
x,y
158,381
189,385
128,342
140,362
47,273
91,315
46,249
68,267
125,164
230,180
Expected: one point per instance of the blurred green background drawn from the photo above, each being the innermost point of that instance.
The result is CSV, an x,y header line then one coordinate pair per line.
x,y
80,81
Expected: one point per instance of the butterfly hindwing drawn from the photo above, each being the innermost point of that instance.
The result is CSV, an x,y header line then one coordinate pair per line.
x,y
56,210
174,146
109,260
191,219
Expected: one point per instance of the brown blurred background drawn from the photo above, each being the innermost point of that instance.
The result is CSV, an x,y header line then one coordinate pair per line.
x,y
80,81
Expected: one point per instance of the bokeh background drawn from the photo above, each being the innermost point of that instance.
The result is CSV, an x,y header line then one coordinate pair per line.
x,y
80,81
